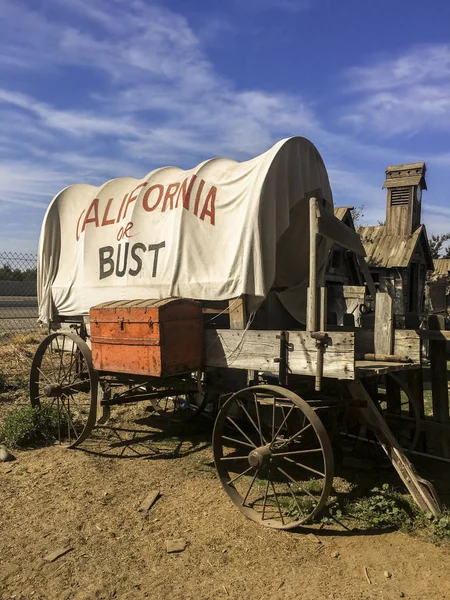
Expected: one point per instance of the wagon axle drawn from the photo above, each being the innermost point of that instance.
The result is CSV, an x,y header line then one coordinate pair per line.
x,y
260,457
56,390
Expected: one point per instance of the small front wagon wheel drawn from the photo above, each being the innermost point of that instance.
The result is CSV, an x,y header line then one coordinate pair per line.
x,y
62,377
273,456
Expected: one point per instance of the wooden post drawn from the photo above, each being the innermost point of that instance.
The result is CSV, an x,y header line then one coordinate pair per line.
x,y
384,332
439,380
237,312
323,309
311,312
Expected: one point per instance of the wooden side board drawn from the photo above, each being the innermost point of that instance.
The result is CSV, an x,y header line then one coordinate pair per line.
x,y
406,343
258,350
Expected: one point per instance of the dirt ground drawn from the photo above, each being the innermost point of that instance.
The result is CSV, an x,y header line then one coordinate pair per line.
x,y
87,500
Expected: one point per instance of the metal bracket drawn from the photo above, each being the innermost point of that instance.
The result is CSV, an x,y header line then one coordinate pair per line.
x,y
322,342
283,361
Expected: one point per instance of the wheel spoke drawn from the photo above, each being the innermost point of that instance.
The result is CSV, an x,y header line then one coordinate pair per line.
x,y
274,405
294,496
249,488
234,457
259,431
284,421
297,452
60,354
307,492
230,439
302,466
258,418
50,356
68,373
69,418
44,376
276,500
239,476
265,500
240,431
291,439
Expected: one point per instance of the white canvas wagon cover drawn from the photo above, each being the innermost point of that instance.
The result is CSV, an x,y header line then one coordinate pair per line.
x,y
213,232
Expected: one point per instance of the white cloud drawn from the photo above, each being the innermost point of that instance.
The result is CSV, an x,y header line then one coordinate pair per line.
x,y
402,95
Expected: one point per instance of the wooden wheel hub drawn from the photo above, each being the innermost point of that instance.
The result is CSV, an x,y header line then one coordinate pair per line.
x,y
54,390
260,457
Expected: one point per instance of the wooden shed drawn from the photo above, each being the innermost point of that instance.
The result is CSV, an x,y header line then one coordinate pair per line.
x,y
344,280
398,252
438,287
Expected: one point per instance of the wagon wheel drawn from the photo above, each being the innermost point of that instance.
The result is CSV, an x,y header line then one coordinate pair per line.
x,y
408,409
273,456
62,375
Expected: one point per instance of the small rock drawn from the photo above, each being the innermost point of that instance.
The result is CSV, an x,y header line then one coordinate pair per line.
x,y
149,501
176,546
334,554
57,553
5,455
387,574
313,538
402,595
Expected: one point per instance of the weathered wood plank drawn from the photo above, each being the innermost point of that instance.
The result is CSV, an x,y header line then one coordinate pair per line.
x,y
383,324
407,344
338,358
237,349
368,368
237,312
332,228
258,350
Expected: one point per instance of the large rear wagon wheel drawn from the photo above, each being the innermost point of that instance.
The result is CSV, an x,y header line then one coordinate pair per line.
x,y
273,456
62,376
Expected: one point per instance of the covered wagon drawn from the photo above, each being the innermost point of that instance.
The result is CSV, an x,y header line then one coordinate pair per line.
x,y
208,285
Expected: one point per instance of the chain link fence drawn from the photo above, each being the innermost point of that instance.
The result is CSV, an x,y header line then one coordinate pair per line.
x,y
18,295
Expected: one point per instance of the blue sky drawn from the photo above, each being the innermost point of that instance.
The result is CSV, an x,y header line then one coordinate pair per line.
x,y
96,89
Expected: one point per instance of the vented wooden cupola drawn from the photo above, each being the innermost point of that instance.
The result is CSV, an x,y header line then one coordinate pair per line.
x,y
404,185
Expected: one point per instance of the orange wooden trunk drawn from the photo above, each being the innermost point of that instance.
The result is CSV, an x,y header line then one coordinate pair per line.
x,y
147,337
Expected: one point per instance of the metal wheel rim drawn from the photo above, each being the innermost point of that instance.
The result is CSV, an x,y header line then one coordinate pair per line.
x,y
325,448
37,378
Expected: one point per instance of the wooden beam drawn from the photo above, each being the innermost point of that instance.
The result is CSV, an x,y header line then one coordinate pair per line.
x,y
384,339
341,234
368,277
